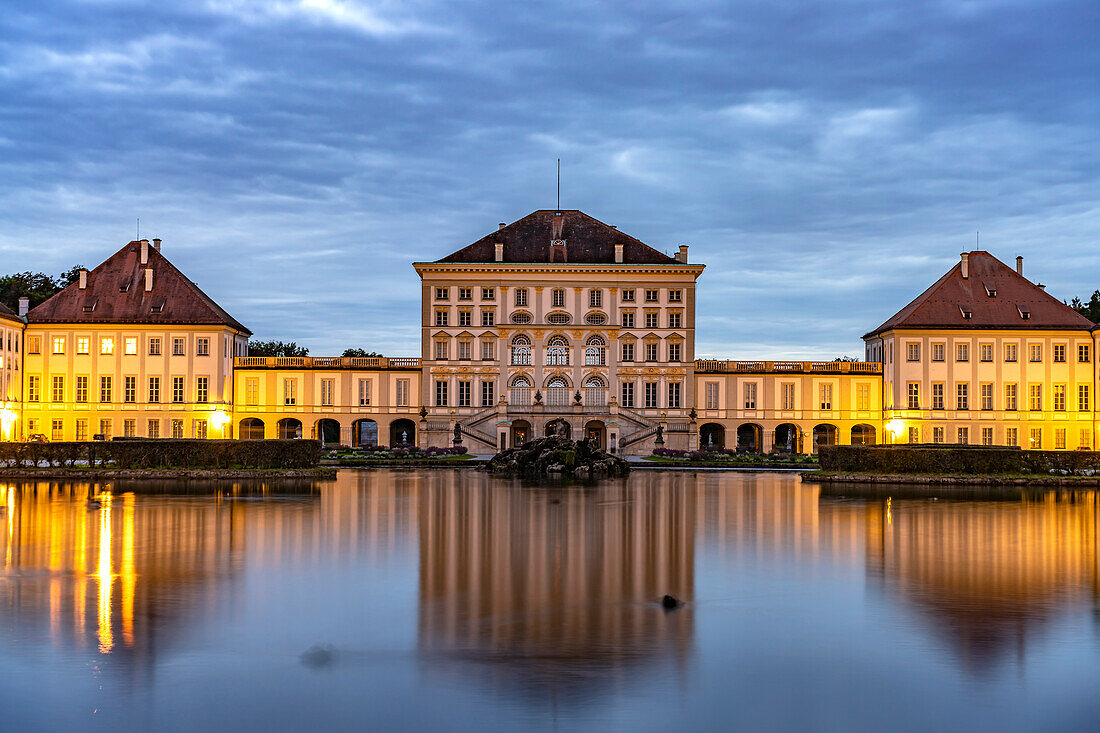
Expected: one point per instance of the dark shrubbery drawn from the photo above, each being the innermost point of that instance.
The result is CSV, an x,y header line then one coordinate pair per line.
x,y
955,459
159,454
729,455
382,453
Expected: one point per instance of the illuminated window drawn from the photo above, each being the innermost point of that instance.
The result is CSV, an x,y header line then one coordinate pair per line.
x,y
914,435
105,389
83,345
937,395
107,346
59,344
1060,353
130,346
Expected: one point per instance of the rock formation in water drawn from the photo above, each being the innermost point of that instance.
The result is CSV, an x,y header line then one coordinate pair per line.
x,y
558,457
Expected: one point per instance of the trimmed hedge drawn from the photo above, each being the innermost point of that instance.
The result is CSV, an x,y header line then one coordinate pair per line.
x,y
145,454
925,459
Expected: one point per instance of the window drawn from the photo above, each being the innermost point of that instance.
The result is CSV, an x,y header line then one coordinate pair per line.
x,y
442,350
177,429
711,395
442,293
750,395
1083,397
81,389
914,395
557,352
154,347
465,390
465,293
985,352
825,396
1059,353
177,347
788,395
1083,353
912,352
595,319
863,397
129,346
675,319
521,318
129,389
198,429
328,386
59,344
83,345
105,389
1010,352
57,431
290,392
651,296
628,352
1011,437
364,392
33,389
441,393
1010,397
129,428
628,319
465,350
177,389
81,430
488,293
674,395
937,352
402,393
937,435
521,351
987,396
937,396
651,351
202,347
651,319
914,435
488,393
675,296
1035,352
628,295
963,436
558,319
1035,397
58,391
1036,440
488,350
464,317
1059,439
521,297
557,298
107,346
987,436
962,352
441,318
1059,398
594,352
962,396
488,318
251,391
674,352
627,389
1085,439
650,394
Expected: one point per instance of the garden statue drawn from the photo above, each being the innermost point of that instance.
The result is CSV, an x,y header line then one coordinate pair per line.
x,y
660,435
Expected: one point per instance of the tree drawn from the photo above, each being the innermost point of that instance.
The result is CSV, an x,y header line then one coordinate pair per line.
x,y
1090,310
359,353
276,348
846,358
37,286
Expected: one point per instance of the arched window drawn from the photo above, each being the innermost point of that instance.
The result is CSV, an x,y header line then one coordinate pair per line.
x,y
557,351
521,381
557,391
520,392
595,352
595,392
521,350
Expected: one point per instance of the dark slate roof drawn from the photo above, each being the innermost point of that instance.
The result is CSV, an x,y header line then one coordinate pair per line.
x,y
8,313
587,241
181,301
943,305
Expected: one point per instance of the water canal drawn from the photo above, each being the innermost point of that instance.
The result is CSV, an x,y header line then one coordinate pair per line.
x,y
453,600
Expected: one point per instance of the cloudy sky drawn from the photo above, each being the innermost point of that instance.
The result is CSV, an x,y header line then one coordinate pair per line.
x,y
826,160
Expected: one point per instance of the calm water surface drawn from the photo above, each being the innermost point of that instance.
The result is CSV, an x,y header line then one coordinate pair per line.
x,y
448,599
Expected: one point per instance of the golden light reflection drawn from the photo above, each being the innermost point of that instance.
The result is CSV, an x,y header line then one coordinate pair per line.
x,y
127,574
103,575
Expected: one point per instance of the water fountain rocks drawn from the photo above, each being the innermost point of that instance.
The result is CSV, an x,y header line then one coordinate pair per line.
x,y
558,457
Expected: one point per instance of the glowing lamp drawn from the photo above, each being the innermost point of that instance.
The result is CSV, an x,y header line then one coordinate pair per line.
x,y
895,427
220,419
7,420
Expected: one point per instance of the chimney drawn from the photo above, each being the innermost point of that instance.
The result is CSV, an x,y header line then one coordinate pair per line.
x,y
83,279
148,279
618,253
1041,286
144,251
24,306
1020,266
500,252
965,265
500,225
156,245
682,256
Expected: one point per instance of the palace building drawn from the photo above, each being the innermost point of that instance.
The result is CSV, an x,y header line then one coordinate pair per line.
x,y
556,323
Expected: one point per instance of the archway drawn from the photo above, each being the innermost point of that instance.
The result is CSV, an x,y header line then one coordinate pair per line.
x,y
402,433
328,431
712,436
289,428
521,432
252,428
749,437
824,434
787,438
364,433
559,427
596,431
863,435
